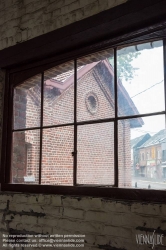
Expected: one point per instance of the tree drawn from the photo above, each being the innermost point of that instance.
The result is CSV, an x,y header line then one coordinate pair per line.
x,y
125,70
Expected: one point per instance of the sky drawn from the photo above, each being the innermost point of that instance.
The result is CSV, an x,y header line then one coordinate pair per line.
x,y
150,72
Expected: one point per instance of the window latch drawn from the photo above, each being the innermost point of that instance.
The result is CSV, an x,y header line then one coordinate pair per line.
x,y
74,153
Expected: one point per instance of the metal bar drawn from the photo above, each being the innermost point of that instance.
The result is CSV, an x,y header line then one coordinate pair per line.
x,y
96,121
116,121
10,139
164,58
93,121
5,169
94,185
41,125
140,115
45,127
75,125
25,129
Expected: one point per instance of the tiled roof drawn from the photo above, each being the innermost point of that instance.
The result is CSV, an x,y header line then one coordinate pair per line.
x,y
158,138
136,140
64,76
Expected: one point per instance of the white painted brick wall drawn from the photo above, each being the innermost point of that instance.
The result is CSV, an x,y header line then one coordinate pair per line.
x,y
26,19
103,221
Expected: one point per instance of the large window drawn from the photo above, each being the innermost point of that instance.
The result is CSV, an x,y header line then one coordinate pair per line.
x,y
85,121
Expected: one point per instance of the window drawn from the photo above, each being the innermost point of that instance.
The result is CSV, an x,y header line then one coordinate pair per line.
x,y
143,156
164,155
92,103
74,124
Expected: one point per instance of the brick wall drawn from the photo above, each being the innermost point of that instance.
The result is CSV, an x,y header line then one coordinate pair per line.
x,y
26,19
107,224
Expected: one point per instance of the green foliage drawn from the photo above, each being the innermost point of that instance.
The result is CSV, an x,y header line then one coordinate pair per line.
x,y
125,70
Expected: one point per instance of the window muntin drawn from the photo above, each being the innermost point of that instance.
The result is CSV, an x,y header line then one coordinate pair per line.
x,y
94,121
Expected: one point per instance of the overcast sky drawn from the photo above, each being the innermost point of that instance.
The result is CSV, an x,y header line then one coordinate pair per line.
x,y
150,72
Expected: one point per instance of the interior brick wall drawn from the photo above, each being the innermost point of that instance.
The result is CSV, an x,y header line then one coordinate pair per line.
x,y
25,19
106,223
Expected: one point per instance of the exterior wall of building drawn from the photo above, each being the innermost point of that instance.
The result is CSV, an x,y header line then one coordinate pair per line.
x,y
106,224
124,159
95,159
151,164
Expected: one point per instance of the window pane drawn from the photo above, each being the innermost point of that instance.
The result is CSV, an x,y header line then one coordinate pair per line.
x,y
141,79
59,95
27,100
95,158
25,157
57,159
142,147
95,86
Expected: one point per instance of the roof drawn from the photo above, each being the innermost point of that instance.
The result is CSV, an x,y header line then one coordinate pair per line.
x,y
158,138
138,141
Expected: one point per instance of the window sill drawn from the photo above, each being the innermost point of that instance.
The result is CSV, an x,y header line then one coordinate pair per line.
x,y
105,192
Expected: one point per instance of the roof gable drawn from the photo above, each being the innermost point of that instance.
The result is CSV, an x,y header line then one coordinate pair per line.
x,y
106,82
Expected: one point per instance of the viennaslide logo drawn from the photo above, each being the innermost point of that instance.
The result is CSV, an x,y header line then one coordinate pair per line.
x,y
150,239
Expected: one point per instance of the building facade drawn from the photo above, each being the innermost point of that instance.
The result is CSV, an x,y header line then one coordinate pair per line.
x,y
152,156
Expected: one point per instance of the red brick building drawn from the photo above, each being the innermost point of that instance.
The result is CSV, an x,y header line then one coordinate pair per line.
x,y
95,142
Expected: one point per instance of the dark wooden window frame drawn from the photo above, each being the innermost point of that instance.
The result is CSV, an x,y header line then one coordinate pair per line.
x,y
20,68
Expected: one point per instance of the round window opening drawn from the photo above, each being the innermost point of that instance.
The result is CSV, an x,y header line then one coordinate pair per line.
x,y
92,103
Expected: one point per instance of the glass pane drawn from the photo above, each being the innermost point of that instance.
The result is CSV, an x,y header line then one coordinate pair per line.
x,y
27,100
141,79
142,152
59,95
57,159
25,157
95,158
95,86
